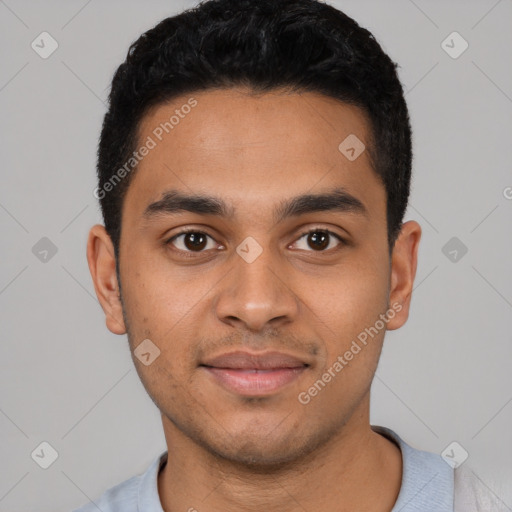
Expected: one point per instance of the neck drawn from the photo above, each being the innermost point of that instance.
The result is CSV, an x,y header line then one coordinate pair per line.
x,y
358,469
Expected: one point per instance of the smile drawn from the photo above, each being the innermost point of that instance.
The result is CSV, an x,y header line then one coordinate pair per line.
x,y
252,374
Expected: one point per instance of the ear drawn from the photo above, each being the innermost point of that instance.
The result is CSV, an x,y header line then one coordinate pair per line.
x,y
404,260
102,265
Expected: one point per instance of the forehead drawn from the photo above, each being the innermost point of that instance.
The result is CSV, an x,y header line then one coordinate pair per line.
x,y
252,150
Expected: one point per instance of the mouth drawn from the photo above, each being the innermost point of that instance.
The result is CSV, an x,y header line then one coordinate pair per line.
x,y
254,374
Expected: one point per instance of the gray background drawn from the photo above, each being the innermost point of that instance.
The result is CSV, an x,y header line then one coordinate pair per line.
x,y
65,379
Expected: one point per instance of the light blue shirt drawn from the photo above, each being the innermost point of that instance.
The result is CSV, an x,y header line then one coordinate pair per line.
x,y
427,485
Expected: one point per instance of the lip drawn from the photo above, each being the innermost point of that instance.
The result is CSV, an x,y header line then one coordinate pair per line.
x,y
243,360
251,374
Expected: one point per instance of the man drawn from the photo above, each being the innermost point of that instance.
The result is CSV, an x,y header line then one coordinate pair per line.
x,y
254,170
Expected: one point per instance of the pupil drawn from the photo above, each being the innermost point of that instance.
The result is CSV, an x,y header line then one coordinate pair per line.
x,y
195,239
321,240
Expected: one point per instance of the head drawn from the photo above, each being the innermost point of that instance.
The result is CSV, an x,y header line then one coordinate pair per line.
x,y
275,133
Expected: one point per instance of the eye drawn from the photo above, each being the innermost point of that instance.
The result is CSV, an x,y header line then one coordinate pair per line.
x,y
320,239
191,241
195,241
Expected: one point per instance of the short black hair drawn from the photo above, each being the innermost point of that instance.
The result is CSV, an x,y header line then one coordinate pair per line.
x,y
266,45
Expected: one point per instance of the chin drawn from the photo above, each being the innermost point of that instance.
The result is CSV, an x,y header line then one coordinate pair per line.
x,y
261,455
263,451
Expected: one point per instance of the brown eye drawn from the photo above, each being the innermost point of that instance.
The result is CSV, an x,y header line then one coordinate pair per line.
x,y
191,241
195,241
319,240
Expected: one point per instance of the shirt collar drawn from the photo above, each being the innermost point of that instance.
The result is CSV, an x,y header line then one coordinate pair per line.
x,y
427,480
148,497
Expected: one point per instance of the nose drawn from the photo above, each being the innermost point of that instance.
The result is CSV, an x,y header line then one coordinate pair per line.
x,y
256,295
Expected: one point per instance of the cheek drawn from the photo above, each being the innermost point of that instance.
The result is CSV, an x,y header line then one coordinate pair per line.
x,y
156,298
346,318
169,311
350,300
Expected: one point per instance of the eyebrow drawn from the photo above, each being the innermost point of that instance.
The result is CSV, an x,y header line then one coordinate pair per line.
x,y
174,201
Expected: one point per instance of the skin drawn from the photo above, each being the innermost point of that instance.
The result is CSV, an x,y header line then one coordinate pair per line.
x,y
230,452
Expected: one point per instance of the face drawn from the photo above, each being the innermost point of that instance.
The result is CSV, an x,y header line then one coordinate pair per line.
x,y
268,315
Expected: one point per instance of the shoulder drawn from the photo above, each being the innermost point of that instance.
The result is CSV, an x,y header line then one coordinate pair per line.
x,y
120,498
427,480
137,493
471,494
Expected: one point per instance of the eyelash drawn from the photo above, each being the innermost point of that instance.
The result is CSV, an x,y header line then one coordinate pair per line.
x,y
192,254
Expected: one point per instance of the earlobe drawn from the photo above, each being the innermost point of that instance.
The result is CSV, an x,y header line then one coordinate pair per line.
x,y
404,261
102,265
